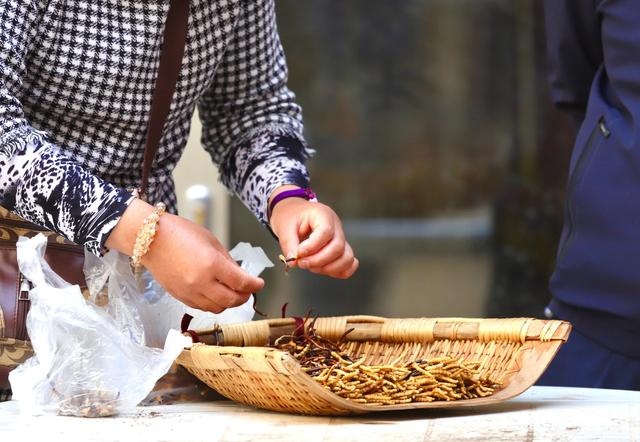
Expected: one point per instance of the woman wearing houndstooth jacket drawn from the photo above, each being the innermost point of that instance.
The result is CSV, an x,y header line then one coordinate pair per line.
x,y
76,81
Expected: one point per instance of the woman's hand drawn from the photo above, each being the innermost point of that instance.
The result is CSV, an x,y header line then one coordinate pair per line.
x,y
312,233
187,260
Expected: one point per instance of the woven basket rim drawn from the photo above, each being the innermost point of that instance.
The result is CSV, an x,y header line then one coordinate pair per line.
x,y
452,328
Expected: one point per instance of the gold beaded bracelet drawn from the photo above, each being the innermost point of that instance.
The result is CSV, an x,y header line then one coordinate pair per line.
x,y
146,234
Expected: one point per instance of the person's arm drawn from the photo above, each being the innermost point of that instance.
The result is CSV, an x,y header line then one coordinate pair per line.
x,y
252,127
38,181
574,52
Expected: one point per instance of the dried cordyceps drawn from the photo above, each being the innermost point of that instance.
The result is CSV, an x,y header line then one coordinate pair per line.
x,y
286,262
96,403
255,302
437,379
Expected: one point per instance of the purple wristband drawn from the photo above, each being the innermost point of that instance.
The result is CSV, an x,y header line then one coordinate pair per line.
x,y
307,194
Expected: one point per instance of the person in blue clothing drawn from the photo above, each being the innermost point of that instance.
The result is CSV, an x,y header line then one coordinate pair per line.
x,y
594,54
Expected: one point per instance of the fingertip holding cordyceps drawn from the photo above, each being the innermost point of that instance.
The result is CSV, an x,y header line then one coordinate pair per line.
x,y
286,262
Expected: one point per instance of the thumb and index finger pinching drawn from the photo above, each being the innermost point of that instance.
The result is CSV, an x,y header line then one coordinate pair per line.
x,y
294,249
319,237
289,242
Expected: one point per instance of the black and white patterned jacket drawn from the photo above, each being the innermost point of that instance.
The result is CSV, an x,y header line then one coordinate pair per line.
x,y
76,80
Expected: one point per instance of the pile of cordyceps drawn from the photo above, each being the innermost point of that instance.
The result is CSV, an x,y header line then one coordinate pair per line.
x,y
436,379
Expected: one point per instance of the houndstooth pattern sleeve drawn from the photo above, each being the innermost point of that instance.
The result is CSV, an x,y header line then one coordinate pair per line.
x,y
252,126
37,180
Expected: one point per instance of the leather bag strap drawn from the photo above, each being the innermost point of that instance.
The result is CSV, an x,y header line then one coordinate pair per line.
x,y
173,43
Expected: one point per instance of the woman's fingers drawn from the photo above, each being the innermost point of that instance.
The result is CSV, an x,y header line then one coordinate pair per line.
x,y
194,267
223,296
205,303
232,287
323,225
351,270
317,231
216,298
343,267
328,254
289,240
231,275
316,241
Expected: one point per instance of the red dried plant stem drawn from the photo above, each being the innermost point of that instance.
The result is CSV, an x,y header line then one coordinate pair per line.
x,y
255,309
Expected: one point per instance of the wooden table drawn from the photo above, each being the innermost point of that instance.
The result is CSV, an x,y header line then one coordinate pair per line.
x,y
542,413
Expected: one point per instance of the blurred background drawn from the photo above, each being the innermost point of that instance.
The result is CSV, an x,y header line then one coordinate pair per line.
x,y
436,143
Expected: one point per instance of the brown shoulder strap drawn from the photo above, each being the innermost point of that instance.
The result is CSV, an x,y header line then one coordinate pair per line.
x,y
174,39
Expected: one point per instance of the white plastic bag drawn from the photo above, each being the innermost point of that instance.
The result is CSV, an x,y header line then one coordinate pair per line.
x,y
89,361
112,275
142,308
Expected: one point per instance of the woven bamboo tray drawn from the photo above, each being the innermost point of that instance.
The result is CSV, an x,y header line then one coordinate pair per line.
x,y
514,352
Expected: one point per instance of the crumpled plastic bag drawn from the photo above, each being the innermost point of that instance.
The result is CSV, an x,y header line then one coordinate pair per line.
x,y
142,308
89,361
112,276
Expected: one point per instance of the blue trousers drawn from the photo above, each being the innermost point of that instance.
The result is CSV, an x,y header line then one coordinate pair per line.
x,y
582,362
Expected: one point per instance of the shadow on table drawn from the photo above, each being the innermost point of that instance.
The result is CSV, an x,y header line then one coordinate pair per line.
x,y
395,416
